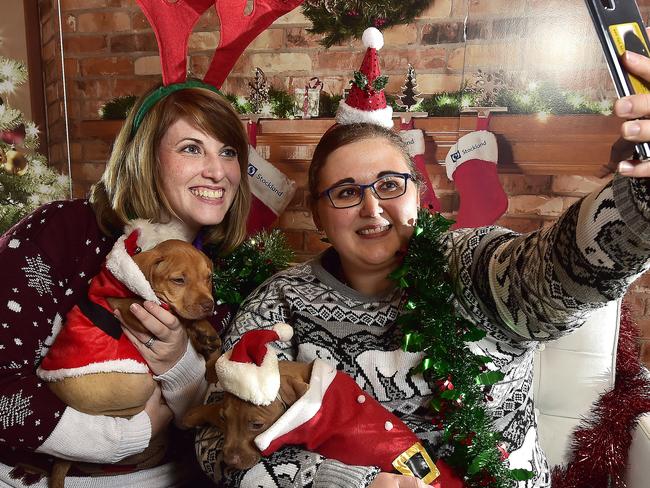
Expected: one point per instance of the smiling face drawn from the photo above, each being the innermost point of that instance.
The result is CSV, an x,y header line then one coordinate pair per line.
x,y
368,236
199,175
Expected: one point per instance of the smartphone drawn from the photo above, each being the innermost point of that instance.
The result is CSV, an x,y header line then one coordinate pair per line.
x,y
620,28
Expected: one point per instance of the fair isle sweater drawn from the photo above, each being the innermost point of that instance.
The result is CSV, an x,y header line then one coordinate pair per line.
x,y
46,263
521,289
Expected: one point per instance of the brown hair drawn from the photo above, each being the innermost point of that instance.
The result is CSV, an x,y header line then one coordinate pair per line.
x,y
342,135
130,186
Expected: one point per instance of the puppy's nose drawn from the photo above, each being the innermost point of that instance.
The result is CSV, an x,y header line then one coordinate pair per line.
x,y
207,306
231,459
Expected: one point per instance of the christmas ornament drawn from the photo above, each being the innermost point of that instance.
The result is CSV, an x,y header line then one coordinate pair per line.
x,y
14,136
458,378
472,165
340,20
16,163
259,92
410,94
366,101
307,99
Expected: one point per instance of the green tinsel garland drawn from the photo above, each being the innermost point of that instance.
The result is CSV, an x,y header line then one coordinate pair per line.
x,y
257,259
457,377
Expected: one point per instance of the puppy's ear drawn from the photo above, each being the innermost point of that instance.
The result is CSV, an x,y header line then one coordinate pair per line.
x,y
147,262
204,414
292,388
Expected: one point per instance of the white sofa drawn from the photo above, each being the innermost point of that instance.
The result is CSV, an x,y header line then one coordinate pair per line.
x,y
570,375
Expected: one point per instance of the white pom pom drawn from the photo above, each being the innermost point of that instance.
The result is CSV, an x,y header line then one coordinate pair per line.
x,y
284,331
373,38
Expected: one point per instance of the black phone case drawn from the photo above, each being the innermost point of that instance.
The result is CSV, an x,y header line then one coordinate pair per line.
x,y
620,28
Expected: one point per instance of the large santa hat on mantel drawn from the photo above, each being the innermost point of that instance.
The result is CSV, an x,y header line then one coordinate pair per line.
x,y
91,340
366,101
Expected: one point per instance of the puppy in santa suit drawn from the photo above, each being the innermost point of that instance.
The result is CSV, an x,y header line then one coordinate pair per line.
x,y
268,404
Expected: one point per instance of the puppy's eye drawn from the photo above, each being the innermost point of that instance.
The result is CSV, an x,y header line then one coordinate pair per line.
x,y
256,426
179,280
222,416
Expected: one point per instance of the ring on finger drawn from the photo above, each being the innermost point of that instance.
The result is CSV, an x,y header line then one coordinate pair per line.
x,y
150,342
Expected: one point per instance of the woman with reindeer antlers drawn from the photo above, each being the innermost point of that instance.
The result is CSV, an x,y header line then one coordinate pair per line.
x,y
355,306
181,156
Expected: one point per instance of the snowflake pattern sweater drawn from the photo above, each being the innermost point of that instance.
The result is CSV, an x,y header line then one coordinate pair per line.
x,y
521,289
47,261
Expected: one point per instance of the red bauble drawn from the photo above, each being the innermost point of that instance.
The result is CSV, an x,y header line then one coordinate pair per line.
x,y
14,136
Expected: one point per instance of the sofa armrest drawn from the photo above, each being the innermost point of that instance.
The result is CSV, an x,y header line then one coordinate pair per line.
x,y
638,465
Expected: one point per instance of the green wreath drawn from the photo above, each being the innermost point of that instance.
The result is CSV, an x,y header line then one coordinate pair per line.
x,y
341,20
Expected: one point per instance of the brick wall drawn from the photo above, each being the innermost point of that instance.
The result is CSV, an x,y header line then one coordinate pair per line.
x,y
110,51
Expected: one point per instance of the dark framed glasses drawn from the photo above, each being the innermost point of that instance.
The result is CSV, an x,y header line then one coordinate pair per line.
x,y
387,187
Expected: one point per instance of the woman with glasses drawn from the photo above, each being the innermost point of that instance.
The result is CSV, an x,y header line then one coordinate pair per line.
x,y
519,289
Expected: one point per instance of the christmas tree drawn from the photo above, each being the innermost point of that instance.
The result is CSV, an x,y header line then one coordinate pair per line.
x,y
26,181
410,94
259,92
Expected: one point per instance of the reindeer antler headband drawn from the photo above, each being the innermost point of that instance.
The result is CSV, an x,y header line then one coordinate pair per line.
x,y
172,23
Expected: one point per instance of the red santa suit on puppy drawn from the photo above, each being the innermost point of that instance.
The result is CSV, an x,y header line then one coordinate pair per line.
x,y
91,340
335,417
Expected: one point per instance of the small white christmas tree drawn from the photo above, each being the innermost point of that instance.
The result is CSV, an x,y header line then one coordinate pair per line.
x,y
26,181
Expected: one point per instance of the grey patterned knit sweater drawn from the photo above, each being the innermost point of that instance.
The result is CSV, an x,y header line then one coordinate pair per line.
x,y
519,288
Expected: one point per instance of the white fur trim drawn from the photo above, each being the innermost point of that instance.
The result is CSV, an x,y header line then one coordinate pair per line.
x,y
123,267
350,115
372,38
480,144
414,140
153,233
256,384
114,366
284,331
304,409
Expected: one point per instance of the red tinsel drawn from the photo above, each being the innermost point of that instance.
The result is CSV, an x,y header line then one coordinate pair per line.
x,y
601,441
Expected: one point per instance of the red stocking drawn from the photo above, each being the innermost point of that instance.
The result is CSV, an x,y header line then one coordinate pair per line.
x,y
414,139
472,165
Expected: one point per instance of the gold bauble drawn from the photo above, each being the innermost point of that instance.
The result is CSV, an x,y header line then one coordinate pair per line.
x,y
16,163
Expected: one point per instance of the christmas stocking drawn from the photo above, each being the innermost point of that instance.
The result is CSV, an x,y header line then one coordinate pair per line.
x,y
472,164
414,139
272,191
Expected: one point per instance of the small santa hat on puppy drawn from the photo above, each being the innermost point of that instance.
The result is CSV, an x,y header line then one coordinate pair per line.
x,y
366,101
250,369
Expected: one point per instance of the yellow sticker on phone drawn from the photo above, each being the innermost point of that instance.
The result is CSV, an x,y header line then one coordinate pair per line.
x,y
628,37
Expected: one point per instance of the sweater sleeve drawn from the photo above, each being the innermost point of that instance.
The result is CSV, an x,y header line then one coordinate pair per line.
x,y
289,465
46,261
541,285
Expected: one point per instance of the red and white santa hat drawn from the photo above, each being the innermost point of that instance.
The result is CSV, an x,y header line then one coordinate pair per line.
x,y
366,101
250,369
141,235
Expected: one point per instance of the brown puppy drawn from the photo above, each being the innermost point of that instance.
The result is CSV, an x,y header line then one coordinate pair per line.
x,y
241,421
181,277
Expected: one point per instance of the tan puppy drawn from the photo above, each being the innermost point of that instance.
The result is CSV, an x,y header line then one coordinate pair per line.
x,y
181,277
241,421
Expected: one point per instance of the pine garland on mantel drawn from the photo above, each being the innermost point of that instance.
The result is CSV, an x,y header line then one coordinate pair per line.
x,y
458,378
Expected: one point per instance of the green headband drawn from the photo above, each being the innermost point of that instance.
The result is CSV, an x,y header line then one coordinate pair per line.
x,y
157,95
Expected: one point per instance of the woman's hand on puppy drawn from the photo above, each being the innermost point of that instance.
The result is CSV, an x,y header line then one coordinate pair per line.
x,y
635,107
170,338
390,480
159,413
